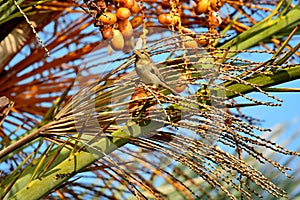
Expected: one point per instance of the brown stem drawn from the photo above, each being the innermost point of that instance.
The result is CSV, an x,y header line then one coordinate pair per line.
x,y
21,142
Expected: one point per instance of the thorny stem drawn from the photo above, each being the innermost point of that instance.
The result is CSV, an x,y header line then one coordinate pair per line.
x,y
33,29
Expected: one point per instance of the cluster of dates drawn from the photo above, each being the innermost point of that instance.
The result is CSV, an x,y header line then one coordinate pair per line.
x,y
117,19
116,26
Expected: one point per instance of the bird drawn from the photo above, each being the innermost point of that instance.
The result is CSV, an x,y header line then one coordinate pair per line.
x,y
148,72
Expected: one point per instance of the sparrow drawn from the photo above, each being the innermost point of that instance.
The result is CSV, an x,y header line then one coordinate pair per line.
x,y
148,71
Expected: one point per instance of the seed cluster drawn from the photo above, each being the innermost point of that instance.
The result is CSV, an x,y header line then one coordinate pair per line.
x,y
117,19
112,18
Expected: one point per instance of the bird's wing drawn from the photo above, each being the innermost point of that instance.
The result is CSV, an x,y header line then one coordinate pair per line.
x,y
156,72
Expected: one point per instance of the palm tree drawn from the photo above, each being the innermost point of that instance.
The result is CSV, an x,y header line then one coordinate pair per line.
x,y
76,122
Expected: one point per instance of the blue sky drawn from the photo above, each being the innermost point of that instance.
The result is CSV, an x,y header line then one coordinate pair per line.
x,y
286,117
288,113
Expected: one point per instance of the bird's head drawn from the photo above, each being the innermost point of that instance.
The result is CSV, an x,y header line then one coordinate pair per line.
x,y
141,54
